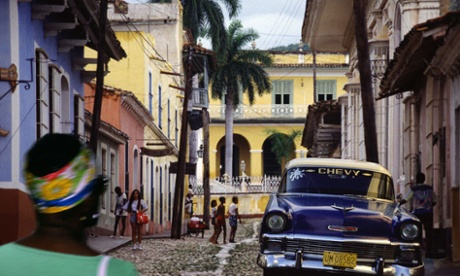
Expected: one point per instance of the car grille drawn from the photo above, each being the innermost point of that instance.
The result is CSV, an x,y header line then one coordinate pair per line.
x,y
363,250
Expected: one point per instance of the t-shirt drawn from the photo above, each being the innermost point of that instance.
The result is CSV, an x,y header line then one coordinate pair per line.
x,y
134,205
232,209
18,260
423,197
213,212
120,201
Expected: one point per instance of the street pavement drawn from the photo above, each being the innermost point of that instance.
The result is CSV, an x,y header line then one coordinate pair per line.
x,y
198,257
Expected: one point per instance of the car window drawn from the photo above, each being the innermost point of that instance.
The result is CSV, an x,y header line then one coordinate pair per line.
x,y
337,181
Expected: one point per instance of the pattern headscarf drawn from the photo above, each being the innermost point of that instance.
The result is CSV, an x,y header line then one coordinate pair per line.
x,y
64,187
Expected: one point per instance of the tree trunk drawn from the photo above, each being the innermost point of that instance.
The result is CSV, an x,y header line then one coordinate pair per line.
x,y
370,133
206,187
229,134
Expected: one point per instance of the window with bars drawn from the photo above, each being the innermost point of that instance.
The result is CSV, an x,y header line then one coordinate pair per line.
x,y
55,99
42,93
325,90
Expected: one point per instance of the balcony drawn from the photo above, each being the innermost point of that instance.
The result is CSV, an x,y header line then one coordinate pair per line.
x,y
200,98
261,111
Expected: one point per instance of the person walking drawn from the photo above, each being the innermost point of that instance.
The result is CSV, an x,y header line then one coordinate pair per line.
x,y
60,174
188,204
135,205
120,214
212,239
233,218
221,225
423,199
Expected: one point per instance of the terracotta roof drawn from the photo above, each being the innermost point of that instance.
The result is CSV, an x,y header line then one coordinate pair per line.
x,y
414,55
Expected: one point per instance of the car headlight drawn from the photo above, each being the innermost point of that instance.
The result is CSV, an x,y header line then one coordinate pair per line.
x,y
410,231
276,222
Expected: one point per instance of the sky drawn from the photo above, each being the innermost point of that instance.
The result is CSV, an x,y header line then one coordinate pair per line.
x,y
278,22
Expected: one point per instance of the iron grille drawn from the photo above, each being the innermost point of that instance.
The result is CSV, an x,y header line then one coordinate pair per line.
x,y
363,250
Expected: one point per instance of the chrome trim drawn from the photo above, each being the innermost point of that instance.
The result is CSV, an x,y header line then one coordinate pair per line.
x,y
337,239
343,209
340,228
267,261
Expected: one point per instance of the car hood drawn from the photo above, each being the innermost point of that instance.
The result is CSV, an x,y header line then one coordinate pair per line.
x,y
340,216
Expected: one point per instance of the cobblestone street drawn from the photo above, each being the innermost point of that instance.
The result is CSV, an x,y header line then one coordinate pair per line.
x,y
196,255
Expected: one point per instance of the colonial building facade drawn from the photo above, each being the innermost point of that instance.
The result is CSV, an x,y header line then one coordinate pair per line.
x,y
41,88
293,76
414,84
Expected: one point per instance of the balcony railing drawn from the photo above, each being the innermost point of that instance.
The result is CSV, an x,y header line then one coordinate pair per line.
x,y
240,184
261,111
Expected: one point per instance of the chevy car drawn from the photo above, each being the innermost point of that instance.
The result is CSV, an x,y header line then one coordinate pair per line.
x,y
338,216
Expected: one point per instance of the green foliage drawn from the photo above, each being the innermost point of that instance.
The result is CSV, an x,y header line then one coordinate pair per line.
x,y
290,48
283,144
240,69
207,14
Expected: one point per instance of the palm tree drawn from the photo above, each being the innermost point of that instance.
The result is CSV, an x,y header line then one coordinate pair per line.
x,y
283,144
207,15
237,70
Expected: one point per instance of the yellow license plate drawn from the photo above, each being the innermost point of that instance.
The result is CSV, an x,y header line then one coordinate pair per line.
x,y
339,259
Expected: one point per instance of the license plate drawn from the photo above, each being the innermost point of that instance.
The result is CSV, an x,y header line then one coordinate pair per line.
x,y
339,259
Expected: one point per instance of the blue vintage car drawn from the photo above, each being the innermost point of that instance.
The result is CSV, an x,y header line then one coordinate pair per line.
x,y
338,216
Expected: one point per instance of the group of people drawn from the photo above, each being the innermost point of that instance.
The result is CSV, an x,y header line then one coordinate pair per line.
x,y
131,207
218,220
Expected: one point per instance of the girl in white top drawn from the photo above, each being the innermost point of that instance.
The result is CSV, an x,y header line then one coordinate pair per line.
x,y
213,220
133,206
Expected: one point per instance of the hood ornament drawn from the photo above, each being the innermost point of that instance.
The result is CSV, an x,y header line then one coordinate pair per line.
x,y
340,228
343,209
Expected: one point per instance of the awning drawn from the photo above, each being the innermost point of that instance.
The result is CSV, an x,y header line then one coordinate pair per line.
x,y
414,55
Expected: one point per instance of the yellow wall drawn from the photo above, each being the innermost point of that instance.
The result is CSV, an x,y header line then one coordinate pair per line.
x,y
248,204
132,74
250,137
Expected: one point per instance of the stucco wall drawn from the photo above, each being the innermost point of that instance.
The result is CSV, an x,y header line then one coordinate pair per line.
x,y
248,204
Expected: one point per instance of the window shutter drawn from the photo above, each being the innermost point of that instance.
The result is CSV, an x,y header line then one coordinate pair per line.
x,y
55,100
79,118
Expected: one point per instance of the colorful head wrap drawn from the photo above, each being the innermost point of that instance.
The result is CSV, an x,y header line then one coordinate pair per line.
x,y
64,187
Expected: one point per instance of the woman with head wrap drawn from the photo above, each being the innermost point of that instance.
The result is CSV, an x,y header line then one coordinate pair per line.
x,y
61,177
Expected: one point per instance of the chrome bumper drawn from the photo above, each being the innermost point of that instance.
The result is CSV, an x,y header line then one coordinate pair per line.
x,y
299,262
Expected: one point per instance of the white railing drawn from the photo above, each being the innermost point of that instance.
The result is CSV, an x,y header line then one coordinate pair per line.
x,y
241,184
261,111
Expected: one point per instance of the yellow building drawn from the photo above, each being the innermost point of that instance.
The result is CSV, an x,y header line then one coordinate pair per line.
x,y
150,71
284,110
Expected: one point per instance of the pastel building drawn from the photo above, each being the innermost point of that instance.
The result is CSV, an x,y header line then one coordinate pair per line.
x,y
41,88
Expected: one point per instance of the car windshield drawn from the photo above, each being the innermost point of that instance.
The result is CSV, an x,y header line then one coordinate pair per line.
x,y
337,181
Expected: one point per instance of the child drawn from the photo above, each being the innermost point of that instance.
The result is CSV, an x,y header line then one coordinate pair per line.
x,y
212,239
220,220
233,218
